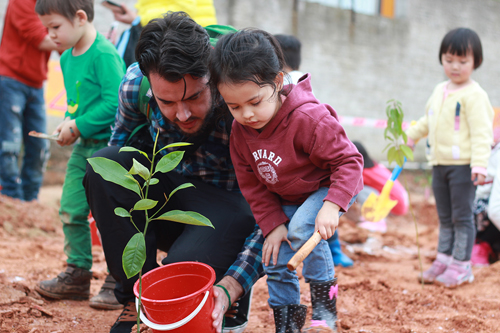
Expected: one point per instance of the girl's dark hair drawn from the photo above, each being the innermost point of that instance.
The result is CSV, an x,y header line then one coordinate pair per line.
x,y
172,47
290,45
66,8
248,55
460,41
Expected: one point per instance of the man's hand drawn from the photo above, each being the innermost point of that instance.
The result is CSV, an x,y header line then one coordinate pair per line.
x,y
68,132
221,304
272,244
478,179
327,219
127,16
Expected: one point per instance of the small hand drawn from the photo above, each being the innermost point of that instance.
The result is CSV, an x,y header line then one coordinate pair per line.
x,y
68,133
327,219
272,244
478,179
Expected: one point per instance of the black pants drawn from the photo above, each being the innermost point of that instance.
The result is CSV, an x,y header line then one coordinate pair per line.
x,y
229,213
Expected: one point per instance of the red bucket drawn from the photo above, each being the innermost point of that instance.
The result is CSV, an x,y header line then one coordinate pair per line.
x,y
178,297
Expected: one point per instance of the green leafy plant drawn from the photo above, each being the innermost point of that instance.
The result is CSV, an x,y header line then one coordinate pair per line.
x,y
134,254
398,151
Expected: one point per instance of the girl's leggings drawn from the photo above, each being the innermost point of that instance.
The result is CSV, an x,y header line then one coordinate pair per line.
x,y
454,192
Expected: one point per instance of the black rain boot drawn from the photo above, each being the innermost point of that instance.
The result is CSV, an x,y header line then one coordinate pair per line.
x,y
324,304
289,318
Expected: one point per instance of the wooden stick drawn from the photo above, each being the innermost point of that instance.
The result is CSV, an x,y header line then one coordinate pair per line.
x,y
304,251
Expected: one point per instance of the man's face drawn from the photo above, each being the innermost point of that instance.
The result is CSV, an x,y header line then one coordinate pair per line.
x,y
185,103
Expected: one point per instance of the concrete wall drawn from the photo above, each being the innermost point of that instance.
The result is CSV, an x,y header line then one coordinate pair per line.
x,y
358,65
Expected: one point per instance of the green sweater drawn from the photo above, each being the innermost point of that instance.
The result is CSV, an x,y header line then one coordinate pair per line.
x,y
92,81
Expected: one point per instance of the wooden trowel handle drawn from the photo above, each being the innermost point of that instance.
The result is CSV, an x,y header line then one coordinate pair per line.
x,y
304,251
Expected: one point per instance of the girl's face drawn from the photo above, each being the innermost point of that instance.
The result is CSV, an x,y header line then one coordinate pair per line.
x,y
250,104
458,68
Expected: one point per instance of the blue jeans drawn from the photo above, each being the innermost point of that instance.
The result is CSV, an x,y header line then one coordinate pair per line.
x,y
283,284
22,109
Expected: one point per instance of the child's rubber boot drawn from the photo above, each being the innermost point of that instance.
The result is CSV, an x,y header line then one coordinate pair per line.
x,y
339,258
289,318
481,252
324,306
74,283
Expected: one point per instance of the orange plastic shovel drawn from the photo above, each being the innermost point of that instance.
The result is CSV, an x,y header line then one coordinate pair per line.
x,y
377,207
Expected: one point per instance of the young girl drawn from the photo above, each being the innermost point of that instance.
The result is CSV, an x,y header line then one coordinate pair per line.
x,y
294,165
459,124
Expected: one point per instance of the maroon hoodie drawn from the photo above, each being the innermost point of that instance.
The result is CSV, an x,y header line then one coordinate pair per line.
x,y
301,149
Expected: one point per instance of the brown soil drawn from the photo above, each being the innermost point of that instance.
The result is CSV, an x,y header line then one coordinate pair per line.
x,y
379,294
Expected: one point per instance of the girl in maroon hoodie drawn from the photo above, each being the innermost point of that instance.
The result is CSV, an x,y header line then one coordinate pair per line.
x,y
295,166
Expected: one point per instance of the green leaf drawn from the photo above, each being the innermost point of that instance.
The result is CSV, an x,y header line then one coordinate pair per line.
x,y
400,159
145,204
180,187
132,149
180,216
113,172
122,212
154,181
407,152
178,144
169,162
391,154
139,169
134,255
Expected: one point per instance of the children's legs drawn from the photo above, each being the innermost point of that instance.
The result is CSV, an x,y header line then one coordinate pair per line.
x,y
36,151
74,208
13,97
454,192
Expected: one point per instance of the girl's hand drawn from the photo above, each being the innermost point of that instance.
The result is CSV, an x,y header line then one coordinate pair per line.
x,y
68,133
327,219
478,178
127,16
272,244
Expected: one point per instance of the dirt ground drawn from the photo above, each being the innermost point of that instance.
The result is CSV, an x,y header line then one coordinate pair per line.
x,y
379,294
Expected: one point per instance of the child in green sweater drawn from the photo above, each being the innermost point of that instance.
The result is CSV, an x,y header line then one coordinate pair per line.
x,y
92,71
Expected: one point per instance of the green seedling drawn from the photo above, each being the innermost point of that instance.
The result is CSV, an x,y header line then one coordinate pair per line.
x,y
138,180
398,151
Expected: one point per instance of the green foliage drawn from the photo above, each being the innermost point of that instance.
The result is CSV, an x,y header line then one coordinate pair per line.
x,y
397,149
134,254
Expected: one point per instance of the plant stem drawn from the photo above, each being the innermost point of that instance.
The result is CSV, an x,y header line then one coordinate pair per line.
x,y
140,302
416,232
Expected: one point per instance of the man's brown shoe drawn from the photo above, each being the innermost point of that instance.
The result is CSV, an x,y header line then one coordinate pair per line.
x,y
74,283
106,299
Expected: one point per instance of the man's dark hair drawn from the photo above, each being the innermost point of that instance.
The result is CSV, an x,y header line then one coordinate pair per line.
x,y
461,41
66,8
290,46
172,47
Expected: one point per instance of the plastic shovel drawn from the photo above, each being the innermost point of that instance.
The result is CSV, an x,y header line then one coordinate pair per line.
x,y
377,207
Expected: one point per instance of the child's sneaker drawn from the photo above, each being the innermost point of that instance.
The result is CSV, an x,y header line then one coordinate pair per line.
x,y
437,268
457,273
481,254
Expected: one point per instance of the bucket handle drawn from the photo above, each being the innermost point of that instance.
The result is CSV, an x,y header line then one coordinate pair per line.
x,y
169,327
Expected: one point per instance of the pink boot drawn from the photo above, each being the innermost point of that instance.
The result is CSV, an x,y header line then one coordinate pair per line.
x,y
481,254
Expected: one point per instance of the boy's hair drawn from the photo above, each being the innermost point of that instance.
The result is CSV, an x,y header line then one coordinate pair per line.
x,y
66,8
290,45
460,41
248,55
172,47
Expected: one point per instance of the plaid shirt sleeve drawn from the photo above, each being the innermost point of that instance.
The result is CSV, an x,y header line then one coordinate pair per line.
x,y
128,116
247,268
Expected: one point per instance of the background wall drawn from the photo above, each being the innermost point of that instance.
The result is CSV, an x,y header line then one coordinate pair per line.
x,y
360,62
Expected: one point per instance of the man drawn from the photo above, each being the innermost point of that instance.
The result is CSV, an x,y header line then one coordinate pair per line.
x,y
172,53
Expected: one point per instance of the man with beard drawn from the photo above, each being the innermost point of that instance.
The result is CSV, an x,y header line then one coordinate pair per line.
x,y
172,53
